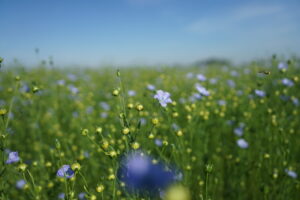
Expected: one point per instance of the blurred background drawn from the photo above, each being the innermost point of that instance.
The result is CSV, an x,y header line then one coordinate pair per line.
x,y
92,33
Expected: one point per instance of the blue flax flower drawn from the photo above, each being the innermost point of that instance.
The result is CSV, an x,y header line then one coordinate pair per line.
x,y
65,172
141,175
163,97
12,158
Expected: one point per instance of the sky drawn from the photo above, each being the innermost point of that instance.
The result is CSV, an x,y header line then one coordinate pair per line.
x,y
124,32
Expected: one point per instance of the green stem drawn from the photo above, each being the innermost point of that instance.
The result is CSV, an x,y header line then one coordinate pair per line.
x,y
206,186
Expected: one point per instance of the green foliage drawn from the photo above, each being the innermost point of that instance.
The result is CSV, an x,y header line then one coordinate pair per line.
x,y
89,120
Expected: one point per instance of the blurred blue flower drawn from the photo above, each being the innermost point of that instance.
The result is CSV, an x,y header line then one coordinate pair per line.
x,y
74,90
143,121
151,87
213,81
189,75
230,122
25,88
20,184
2,102
182,100
260,93
238,131
89,109
221,102
291,173
61,82
242,143
13,157
72,77
234,73
75,114
140,175
163,97
175,127
287,82
10,115
103,115
61,195
86,154
195,97
239,92
131,93
295,101
104,106
201,77
202,90
284,97
81,196
65,172
282,66
231,83
158,142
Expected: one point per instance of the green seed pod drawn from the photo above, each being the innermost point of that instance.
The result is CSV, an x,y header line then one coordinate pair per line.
x,y
57,144
209,168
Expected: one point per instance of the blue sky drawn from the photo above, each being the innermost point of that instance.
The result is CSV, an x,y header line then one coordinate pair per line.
x,y
121,32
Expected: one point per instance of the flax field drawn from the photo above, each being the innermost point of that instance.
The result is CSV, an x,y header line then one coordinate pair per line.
x,y
172,133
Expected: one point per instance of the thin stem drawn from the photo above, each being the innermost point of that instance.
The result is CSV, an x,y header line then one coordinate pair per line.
x,y
206,186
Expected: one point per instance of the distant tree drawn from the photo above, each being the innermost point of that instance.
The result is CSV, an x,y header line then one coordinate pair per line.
x,y
213,61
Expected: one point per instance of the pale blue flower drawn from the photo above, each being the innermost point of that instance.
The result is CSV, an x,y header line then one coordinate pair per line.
x,y
282,66
222,102
291,173
103,115
260,93
239,92
73,89
201,77
195,96
234,73
131,93
158,142
151,87
163,97
61,82
213,81
104,105
189,75
72,77
231,83
143,121
75,114
287,82
25,88
13,157
65,172
20,184
61,196
89,109
81,196
238,131
242,143
175,127
202,90
295,101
